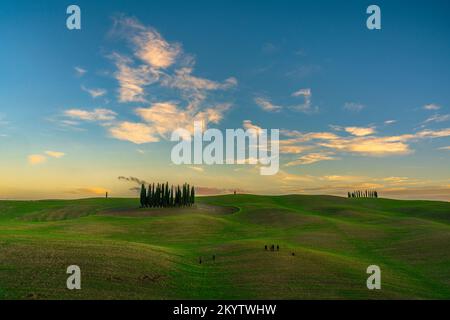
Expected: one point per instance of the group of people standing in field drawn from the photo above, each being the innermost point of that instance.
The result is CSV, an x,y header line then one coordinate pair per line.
x,y
272,247
213,259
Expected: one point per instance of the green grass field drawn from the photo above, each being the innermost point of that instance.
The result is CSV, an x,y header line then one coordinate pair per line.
x,y
130,253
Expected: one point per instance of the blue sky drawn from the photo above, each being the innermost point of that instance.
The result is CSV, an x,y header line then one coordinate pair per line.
x,y
371,109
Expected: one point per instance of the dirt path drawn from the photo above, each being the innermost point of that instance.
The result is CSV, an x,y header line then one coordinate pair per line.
x,y
154,212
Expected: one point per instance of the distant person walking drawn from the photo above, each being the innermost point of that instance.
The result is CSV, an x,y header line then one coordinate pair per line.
x,y
278,248
265,247
214,257
200,260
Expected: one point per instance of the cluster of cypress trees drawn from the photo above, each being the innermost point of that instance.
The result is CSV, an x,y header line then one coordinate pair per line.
x,y
161,196
363,194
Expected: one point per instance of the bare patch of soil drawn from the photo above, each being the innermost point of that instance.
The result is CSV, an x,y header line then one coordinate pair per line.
x,y
155,212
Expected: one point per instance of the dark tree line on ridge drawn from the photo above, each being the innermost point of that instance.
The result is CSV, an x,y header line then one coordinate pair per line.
x,y
363,194
161,196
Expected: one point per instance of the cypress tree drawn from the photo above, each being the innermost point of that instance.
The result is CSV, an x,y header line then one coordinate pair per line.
x,y
148,199
149,195
153,195
192,195
163,194
158,195
167,194
143,195
188,195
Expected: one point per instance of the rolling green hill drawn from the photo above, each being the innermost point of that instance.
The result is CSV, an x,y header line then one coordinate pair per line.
x,y
130,253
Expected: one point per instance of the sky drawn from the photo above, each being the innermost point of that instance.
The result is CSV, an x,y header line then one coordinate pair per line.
x,y
87,111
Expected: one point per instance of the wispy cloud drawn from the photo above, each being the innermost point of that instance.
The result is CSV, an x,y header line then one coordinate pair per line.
x,y
165,117
133,80
154,52
311,158
147,42
360,131
266,105
183,79
371,146
95,115
289,149
95,93
80,71
157,56
35,159
342,178
353,106
368,145
438,118
55,154
387,122
159,62
305,107
157,121
431,106
96,191
303,71
137,133
302,92
198,169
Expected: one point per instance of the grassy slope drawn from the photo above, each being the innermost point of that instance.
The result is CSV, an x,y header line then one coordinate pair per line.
x,y
156,257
